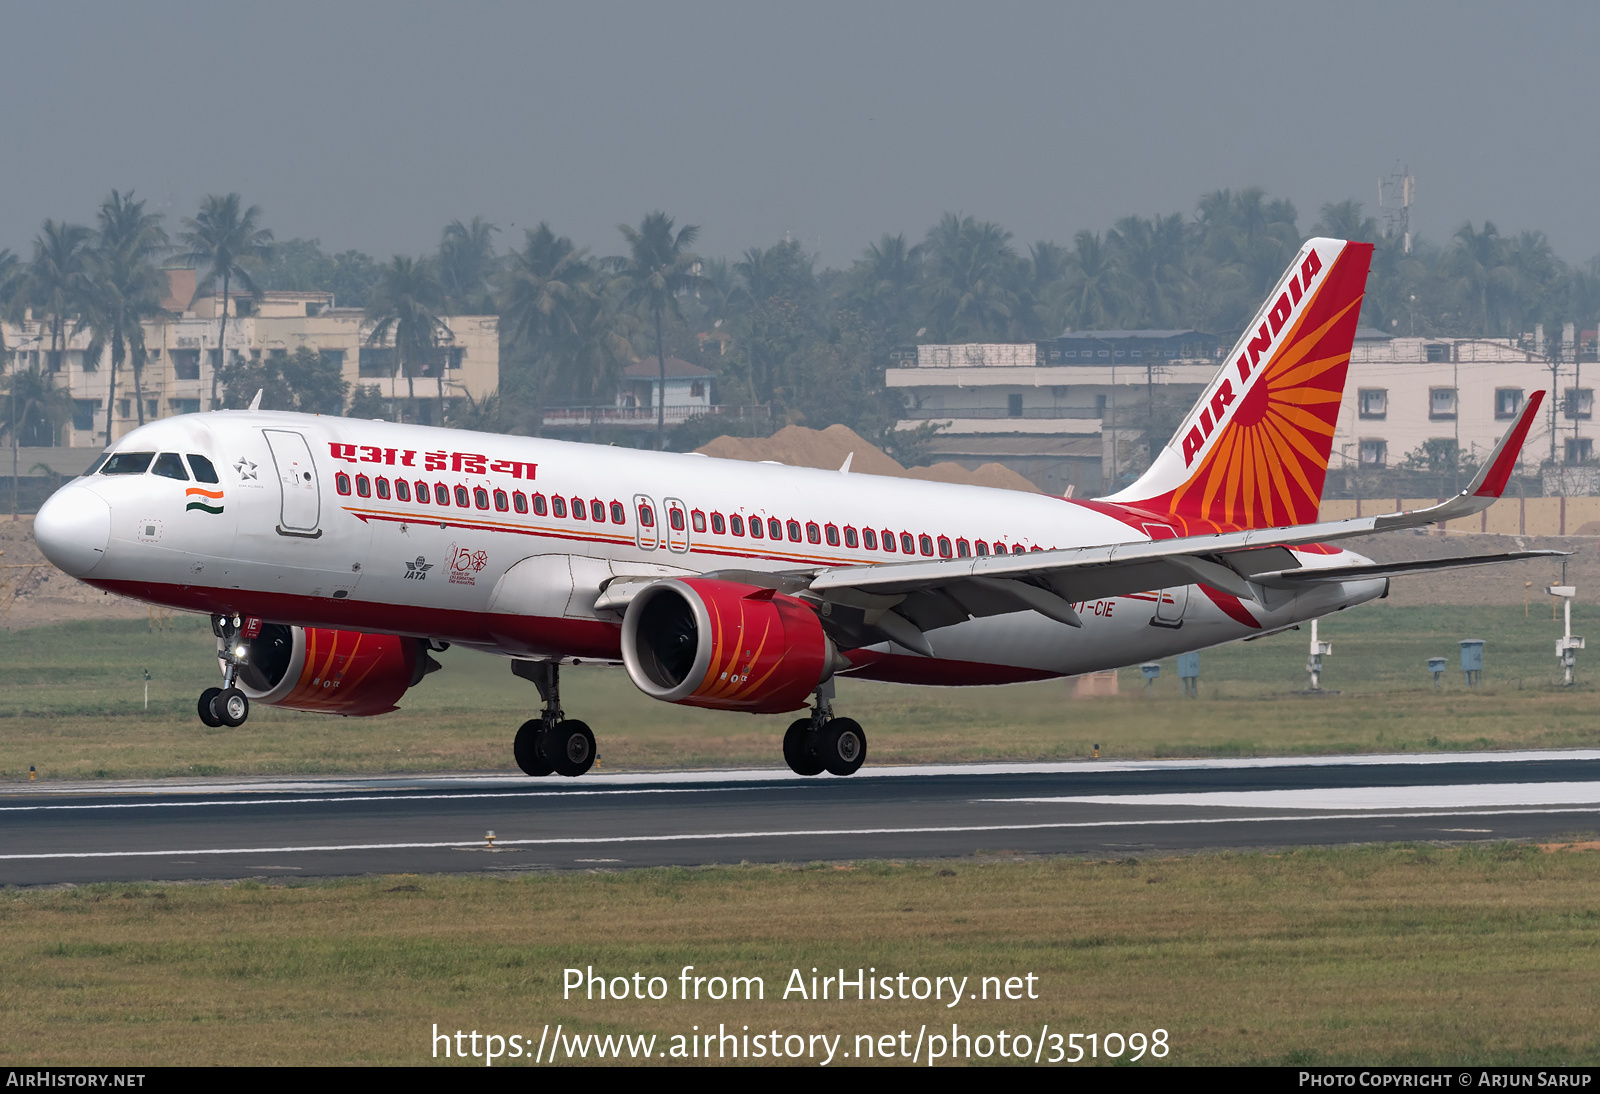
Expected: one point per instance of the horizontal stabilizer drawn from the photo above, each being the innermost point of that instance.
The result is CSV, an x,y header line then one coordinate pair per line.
x,y
1290,579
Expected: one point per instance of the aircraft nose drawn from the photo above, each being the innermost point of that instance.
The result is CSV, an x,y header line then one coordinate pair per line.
x,y
73,529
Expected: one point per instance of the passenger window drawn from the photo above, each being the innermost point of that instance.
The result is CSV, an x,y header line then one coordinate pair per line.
x,y
402,490
202,468
999,548
1036,548
502,502
597,510
1018,549
697,520
480,497
675,518
647,519
580,511
422,493
908,544
869,539
794,531
383,487
341,483
363,486
925,541
888,541
519,501
128,463
850,539
169,465
774,528
463,499
441,493
619,515
539,507
736,522
963,549
944,547
718,525
832,531
813,532
755,527
983,549
558,505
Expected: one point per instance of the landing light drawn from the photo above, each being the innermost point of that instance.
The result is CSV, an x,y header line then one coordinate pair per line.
x,y
239,652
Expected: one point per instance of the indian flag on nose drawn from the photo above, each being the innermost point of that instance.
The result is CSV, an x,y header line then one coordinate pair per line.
x,y
198,499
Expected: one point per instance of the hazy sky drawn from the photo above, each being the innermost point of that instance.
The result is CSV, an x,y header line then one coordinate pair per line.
x,y
371,125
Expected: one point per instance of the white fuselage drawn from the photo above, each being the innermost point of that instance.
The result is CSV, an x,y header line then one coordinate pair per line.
x,y
290,545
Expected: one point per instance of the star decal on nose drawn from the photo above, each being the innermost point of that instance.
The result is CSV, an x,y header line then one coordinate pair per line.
x,y
246,469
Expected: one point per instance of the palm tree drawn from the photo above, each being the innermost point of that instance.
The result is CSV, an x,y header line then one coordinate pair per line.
x,y
544,283
227,243
57,277
124,288
1096,287
970,288
407,304
467,265
658,268
12,288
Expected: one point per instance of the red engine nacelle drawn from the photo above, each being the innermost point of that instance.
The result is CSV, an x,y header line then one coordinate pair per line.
x,y
725,645
331,672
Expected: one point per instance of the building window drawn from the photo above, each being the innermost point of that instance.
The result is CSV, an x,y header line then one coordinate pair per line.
x,y
1373,403
697,390
1442,403
1014,405
1438,351
1374,453
152,408
1579,403
83,413
375,361
185,406
1579,450
124,408
333,359
1507,401
186,364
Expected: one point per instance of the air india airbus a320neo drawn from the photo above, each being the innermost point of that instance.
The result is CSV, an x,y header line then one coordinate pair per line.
x,y
333,554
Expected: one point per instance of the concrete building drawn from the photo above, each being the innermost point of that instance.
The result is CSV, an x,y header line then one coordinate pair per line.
x,y
1080,421
183,355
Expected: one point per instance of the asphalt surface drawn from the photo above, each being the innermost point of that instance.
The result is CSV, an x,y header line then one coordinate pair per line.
x,y
53,833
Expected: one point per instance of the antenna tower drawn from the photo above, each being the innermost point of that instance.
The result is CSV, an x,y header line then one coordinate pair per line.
x,y
1396,191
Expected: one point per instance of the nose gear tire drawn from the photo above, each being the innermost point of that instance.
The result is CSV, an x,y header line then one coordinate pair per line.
x,y
799,751
527,749
230,707
842,745
569,748
205,707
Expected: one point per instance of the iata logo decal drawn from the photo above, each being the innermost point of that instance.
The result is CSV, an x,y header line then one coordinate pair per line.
x,y
207,501
465,565
418,570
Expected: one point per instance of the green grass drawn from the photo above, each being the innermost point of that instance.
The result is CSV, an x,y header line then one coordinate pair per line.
x,y
71,704
1482,955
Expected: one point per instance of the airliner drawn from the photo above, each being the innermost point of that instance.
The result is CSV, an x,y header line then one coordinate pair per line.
x,y
334,555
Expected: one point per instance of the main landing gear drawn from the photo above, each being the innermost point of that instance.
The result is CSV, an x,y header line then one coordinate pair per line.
x,y
227,705
551,743
823,742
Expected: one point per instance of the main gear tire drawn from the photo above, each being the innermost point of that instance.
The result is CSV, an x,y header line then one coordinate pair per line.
x,y
842,746
799,750
528,749
206,716
570,748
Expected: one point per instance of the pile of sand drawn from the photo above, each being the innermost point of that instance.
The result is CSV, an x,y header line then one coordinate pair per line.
x,y
33,592
827,449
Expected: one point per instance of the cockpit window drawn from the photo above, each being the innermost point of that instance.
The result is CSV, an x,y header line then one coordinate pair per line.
x,y
98,462
128,463
203,469
169,465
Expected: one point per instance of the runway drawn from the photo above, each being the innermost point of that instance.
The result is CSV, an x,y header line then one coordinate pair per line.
x,y
219,829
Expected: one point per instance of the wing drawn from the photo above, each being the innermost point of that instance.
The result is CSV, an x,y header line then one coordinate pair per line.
x,y
900,601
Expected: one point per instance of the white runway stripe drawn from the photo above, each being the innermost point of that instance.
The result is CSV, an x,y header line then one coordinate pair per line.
x,y
1459,796
697,836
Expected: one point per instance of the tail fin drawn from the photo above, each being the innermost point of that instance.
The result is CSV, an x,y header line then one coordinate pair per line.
x,y
1253,453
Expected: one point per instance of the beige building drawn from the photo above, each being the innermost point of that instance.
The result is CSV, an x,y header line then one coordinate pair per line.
x,y
183,353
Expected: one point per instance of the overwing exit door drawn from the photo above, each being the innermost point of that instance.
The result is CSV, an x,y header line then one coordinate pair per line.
x,y
301,511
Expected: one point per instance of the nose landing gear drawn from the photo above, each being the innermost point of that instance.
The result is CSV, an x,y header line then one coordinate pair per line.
x,y
551,743
823,742
227,705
